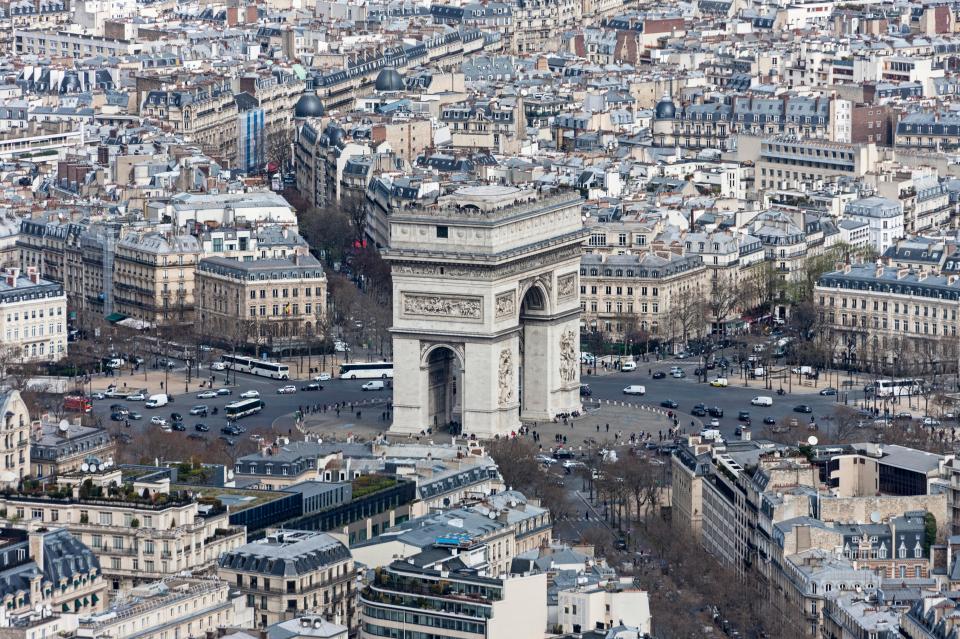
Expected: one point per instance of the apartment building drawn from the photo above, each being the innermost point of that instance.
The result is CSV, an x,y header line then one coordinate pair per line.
x,y
205,115
537,24
153,277
273,302
651,292
276,94
59,446
180,607
883,217
247,244
787,161
48,567
423,596
926,130
292,572
16,439
924,200
135,539
73,44
33,315
889,319
604,605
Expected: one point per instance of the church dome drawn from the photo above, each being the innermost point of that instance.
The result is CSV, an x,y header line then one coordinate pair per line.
x,y
389,80
665,109
308,106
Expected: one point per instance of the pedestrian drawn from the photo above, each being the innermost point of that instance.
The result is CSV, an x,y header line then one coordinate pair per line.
x,y
338,412
608,428
598,428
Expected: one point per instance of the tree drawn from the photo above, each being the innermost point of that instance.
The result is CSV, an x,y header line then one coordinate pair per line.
x,y
279,146
725,298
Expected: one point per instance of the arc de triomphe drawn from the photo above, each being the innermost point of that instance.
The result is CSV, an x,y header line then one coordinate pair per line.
x,y
486,309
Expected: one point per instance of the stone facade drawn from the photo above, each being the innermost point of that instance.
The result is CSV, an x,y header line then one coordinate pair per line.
x,y
486,318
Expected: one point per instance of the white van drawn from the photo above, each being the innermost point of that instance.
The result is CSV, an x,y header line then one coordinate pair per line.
x,y
635,389
628,367
373,386
156,401
762,400
711,433
720,382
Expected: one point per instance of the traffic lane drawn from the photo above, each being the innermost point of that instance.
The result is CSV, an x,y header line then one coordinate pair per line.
x,y
731,399
275,405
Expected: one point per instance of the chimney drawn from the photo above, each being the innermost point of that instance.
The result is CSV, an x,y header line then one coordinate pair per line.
x,y
33,274
11,276
36,547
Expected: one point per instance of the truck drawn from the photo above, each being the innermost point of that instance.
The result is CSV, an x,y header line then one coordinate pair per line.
x,y
802,370
156,401
77,404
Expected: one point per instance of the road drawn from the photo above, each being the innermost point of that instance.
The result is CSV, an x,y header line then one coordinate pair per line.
x,y
609,386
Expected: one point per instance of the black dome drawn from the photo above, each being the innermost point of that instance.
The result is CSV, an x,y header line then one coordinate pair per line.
x,y
389,80
665,109
334,134
308,106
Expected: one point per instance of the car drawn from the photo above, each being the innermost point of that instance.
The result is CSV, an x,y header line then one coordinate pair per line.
x,y
678,374
98,396
228,441
714,423
289,388
323,377
207,394
118,408
230,430
137,397
224,391
158,421
546,460
571,463
698,371
829,390
166,363
903,415
931,421
117,417
744,416
770,421
711,366
682,355
635,389
720,382
715,411
177,417
138,360
628,367
178,426
698,412
201,428
563,453
199,409
250,394
738,431
312,386
218,366
802,408
134,416
206,348
257,437
668,403
585,390
659,375
702,407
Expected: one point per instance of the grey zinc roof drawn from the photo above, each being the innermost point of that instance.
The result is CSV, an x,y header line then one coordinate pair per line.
x,y
287,553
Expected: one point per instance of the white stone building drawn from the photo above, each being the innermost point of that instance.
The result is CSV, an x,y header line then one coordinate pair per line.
x,y
33,312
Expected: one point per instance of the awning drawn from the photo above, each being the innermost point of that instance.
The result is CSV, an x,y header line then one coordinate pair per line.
x,y
113,318
65,608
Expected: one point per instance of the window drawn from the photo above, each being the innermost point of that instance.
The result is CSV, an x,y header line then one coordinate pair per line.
x,y
442,232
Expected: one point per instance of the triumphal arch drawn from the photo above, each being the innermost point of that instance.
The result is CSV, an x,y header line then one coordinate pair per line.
x,y
486,309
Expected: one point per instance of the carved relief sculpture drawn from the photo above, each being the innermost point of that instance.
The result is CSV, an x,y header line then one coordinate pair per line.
x,y
435,305
506,305
506,377
568,356
566,285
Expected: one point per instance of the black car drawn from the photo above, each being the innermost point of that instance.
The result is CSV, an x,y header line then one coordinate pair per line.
x,y
563,453
711,366
227,440
176,417
117,417
119,408
668,403
699,371
203,428
230,430
178,426
715,411
829,391
802,408
769,420
744,416
698,412
659,375
313,386
224,391
585,390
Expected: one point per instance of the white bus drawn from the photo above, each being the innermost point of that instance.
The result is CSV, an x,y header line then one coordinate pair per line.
x,y
898,387
256,366
367,370
236,410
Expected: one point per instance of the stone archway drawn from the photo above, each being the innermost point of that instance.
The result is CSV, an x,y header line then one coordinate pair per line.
x,y
443,370
486,279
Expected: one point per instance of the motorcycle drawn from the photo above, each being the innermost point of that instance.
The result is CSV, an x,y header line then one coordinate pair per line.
x,y
780,391
215,410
